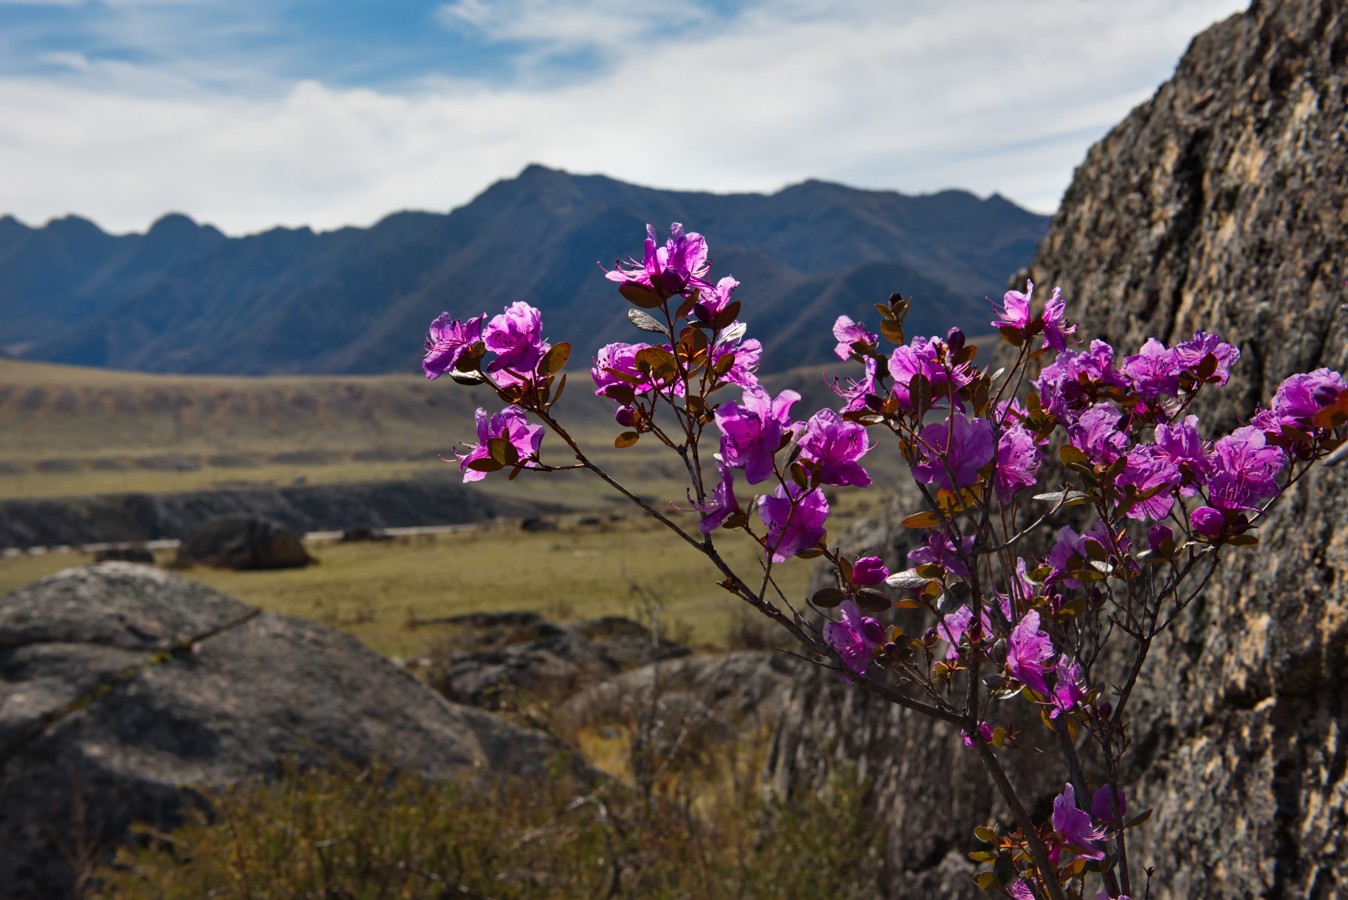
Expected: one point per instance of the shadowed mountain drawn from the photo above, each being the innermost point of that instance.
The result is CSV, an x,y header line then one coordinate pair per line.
x,y
359,300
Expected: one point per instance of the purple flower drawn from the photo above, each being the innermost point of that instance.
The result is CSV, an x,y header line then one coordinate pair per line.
x,y
1015,309
954,449
1190,355
791,530
1157,537
1181,444
1017,462
1055,333
1068,689
1298,399
510,424
723,502
855,637
1155,372
984,731
445,342
1207,522
1148,471
712,300
615,367
953,626
1016,314
856,391
753,432
923,356
1109,805
836,445
516,337
940,551
747,356
1028,650
1074,826
1245,470
869,570
1073,381
1096,433
679,264
848,333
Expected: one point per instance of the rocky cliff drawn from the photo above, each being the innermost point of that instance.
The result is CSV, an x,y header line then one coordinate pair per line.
x,y
1221,204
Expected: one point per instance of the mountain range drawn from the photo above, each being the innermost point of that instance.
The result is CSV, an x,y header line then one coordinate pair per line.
x,y
185,298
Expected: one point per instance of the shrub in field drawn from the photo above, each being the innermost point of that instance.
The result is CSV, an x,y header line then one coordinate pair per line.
x,y
1142,503
367,834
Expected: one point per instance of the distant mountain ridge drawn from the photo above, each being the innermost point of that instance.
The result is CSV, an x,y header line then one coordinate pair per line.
x,y
185,298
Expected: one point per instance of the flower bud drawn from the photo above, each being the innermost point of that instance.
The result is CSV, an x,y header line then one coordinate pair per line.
x,y
955,340
1207,522
1158,536
869,570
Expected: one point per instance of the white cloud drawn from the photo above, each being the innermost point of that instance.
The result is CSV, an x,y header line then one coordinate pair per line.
x,y
996,95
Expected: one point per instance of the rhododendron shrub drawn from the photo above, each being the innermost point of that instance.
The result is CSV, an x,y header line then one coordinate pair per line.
x,y
1068,435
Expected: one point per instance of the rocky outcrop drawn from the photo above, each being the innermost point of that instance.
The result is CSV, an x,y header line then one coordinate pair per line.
x,y
242,543
144,517
495,660
1221,204
123,687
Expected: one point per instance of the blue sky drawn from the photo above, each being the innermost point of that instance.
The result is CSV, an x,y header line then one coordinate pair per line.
x,y
249,114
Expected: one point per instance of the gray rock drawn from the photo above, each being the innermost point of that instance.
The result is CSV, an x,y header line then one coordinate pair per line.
x,y
126,687
242,543
500,658
747,688
1221,204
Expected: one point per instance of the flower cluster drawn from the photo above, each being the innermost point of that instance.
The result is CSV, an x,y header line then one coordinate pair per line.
x,y
1154,495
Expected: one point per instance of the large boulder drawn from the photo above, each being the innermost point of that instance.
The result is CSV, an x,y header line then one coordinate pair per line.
x,y
1221,204
122,688
240,543
497,660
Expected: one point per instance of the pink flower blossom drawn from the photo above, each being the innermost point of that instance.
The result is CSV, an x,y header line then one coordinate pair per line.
x,y
516,337
836,445
954,451
855,637
510,424
1074,826
869,570
446,341
794,520
848,333
1028,650
752,431
679,264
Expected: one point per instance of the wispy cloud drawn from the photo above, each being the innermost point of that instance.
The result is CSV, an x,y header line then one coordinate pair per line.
x,y
990,95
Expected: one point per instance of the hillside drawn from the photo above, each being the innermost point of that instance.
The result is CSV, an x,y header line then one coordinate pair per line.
x,y
357,301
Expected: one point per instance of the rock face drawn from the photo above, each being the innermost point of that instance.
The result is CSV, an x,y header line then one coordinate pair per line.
x,y
242,544
121,686
500,658
1221,204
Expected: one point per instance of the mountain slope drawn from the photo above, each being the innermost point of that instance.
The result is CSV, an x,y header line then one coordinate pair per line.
x,y
358,300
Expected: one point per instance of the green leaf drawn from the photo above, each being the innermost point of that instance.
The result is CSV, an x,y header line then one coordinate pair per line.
x,y
503,451
727,315
641,296
554,359
827,598
485,464
646,322
871,600
907,580
985,834
1243,540
1072,456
